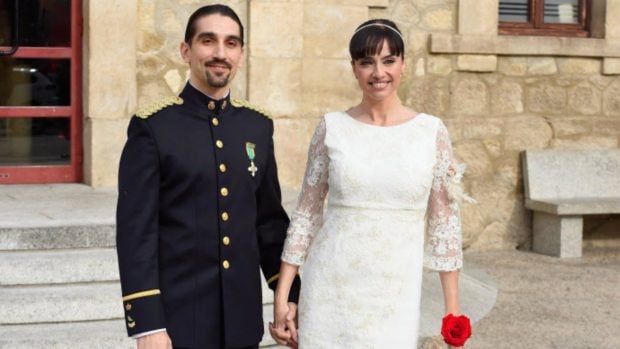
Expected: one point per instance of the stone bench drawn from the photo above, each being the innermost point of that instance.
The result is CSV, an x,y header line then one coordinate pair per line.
x,y
561,186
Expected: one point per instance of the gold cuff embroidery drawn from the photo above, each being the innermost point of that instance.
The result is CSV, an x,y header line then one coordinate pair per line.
x,y
141,294
273,278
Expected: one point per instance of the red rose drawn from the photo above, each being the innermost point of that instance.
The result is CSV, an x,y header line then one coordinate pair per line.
x,y
455,329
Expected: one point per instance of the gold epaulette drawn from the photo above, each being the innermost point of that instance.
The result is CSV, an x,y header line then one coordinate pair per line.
x,y
243,103
145,112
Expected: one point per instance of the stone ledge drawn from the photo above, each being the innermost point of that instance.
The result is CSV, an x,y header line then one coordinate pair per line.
x,y
524,45
575,206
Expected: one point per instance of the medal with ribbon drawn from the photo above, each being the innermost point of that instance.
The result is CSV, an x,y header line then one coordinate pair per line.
x,y
249,149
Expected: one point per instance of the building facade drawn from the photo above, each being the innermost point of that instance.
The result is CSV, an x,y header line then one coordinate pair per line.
x,y
500,89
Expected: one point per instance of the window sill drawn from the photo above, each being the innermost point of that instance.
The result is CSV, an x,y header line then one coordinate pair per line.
x,y
524,45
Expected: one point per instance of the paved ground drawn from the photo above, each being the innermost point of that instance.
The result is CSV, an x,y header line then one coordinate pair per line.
x,y
545,302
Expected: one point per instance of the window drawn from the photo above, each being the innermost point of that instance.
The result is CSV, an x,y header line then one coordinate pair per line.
x,y
544,17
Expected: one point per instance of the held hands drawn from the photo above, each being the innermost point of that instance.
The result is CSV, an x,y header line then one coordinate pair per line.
x,y
284,326
158,340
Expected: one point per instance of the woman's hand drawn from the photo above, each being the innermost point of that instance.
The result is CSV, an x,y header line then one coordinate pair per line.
x,y
284,326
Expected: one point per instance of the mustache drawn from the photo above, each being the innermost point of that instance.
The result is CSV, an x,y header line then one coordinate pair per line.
x,y
219,62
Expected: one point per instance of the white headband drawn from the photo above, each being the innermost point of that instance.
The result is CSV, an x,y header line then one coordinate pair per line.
x,y
379,25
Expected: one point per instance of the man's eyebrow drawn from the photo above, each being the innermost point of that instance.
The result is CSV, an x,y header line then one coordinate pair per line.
x,y
212,35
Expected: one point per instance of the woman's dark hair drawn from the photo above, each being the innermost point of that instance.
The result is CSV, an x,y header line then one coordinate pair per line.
x,y
223,10
369,37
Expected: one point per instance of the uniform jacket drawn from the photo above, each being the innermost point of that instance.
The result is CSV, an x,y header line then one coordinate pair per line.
x,y
199,214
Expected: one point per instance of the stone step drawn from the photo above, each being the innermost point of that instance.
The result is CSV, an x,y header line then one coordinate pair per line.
x,y
103,334
57,266
60,303
67,302
57,237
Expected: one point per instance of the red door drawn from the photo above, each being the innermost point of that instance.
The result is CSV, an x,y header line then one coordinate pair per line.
x,y
40,91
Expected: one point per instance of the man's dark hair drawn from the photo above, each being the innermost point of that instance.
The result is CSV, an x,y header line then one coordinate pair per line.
x,y
223,10
369,37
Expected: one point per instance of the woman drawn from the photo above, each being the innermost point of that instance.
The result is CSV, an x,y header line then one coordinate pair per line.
x,y
391,178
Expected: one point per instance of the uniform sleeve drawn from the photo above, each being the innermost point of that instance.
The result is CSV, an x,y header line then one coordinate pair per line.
x,y
271,224
137,230
443,243
308,216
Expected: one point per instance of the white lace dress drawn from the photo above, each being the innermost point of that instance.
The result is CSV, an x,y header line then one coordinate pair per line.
x,y
362,260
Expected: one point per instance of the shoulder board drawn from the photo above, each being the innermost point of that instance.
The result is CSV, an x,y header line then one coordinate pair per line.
x,y
145,112
239,103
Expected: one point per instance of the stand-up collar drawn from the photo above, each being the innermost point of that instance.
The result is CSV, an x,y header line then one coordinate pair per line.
x,y
192,95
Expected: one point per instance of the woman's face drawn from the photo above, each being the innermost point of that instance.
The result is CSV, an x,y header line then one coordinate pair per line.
x,y
379,76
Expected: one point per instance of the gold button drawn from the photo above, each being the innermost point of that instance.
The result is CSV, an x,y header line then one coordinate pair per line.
x,y
226,264
215,121
128,306
222,168
219,144
224,191
211,105
224,216
226,240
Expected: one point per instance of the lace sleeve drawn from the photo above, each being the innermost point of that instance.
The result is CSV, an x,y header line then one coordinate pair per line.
x,y
443,246
307,218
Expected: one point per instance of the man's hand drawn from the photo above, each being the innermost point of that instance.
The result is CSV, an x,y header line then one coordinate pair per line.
x,y
158,340
284,327
291,324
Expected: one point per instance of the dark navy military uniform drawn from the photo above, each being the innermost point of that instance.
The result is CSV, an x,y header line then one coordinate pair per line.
x,y
199,214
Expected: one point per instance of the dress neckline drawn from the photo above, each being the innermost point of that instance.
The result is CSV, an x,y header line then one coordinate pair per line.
x,y
406,122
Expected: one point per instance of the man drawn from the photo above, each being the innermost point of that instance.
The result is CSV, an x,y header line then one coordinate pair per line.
x,y
199,209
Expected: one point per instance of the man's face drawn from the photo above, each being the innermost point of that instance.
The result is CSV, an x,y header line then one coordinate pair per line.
x,y
215,54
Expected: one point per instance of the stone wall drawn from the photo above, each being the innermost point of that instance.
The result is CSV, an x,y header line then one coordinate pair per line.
x,y
495,105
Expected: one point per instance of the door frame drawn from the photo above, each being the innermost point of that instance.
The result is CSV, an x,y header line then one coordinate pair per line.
x,y
72,172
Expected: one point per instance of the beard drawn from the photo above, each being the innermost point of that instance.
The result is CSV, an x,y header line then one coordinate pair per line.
x,y
218,80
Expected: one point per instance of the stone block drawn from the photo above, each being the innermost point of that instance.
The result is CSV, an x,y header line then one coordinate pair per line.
x,y
481,128
588,142
612,25
475,156
470,96
559,236
327,29
611,99
478,17
322,95
528,132
104,141
404,14
281,35
584,99
575,175
439,64
541,66
429,95
477,63
570,126
507,98
367,3
111,52
579,65
275,84
512,66
438,19
546,98
292,155
611,66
